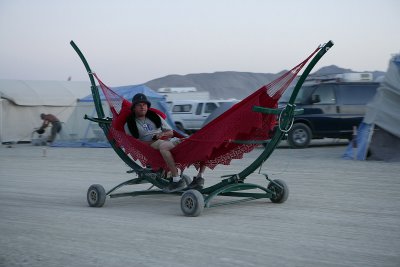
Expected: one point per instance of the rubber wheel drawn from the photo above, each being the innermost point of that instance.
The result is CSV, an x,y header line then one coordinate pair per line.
x,y
281,194
299,136
96,195
192,203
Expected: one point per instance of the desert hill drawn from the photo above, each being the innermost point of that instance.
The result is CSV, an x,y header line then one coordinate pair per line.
x,y
232,84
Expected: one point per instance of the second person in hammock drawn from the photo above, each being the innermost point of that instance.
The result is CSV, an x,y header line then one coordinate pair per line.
x,y
149,127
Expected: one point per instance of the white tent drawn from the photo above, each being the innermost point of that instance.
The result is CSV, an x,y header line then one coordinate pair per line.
x,y
21,103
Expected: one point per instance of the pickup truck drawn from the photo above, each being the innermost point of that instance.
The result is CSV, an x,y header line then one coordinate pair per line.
x,y
189,115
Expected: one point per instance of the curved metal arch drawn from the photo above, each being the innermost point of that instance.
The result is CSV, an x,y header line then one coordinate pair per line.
x,y
100,113
287,115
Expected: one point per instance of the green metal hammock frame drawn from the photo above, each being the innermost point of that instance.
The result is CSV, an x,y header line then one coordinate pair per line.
x,y
194,201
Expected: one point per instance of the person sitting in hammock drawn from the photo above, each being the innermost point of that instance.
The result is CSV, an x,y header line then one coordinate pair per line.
x,y
147,126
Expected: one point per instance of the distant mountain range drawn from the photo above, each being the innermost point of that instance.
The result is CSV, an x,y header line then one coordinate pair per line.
x,y
232,84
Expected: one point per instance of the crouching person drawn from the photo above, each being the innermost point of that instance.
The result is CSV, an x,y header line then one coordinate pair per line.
x,y
55,123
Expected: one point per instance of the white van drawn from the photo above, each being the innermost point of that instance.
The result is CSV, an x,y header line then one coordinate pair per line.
x,y
189,115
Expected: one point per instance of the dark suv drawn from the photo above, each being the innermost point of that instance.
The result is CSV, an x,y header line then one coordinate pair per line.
x,y
331,109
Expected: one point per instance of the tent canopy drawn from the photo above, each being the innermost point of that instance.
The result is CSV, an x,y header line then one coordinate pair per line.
x,y
43,93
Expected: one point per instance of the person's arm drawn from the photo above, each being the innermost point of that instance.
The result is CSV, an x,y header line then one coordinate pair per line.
x,y
166,133
163,135
44,124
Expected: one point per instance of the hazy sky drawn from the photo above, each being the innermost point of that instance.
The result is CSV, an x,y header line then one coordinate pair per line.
x,y
132,41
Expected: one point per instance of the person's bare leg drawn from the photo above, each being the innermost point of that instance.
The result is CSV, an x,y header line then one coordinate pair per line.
x,y
201,171
52,135
177,182
165,148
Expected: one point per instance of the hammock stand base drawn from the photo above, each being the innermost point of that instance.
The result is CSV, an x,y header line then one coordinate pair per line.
x,y
194,201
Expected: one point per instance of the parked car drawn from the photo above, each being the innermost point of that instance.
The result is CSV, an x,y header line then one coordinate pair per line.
x,y
190,115
331,109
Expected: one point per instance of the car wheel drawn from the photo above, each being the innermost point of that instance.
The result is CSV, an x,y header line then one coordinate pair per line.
x,y
299,136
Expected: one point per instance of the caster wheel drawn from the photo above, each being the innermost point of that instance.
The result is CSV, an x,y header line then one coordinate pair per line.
x,y
192,203
96,195
282,194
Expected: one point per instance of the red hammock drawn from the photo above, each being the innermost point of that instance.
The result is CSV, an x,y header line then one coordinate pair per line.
x,y
213,144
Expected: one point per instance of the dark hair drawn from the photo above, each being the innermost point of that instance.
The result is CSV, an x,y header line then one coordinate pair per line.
x,y
131,120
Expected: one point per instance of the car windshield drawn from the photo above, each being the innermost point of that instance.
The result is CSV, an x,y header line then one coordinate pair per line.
x,y
301,96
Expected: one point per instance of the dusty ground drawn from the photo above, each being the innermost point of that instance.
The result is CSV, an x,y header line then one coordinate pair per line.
x,y
339,213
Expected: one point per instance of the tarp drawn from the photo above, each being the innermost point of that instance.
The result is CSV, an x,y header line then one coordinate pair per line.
x,y
384,109
358,147
378,136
